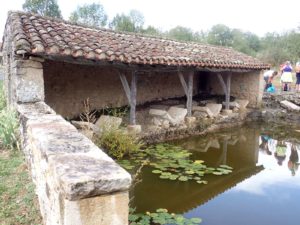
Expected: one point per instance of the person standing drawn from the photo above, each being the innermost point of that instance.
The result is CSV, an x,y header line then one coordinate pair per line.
x,y
268,77
297,69
286,76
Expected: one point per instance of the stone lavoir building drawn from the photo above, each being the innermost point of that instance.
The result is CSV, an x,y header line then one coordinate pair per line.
x,y
50,62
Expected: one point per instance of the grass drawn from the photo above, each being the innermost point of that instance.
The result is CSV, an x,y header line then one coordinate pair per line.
x,y
18,202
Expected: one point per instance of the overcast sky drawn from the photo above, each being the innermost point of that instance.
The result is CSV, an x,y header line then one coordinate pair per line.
x,y
257,16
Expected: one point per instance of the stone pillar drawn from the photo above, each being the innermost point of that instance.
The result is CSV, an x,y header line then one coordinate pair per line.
x,y
26,82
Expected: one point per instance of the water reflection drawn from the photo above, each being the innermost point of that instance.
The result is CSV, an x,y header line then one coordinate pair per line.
x,y
265,180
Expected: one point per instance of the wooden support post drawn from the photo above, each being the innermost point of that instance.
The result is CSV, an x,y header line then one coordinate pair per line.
x,y
188,90
133,98
226,88
130,94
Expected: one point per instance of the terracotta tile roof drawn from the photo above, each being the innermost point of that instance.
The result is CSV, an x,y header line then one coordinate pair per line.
x,y
37,35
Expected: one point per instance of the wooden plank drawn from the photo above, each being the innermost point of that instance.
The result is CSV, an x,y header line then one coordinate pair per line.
x,y
183,83
189,103
133,98
125,87
228,90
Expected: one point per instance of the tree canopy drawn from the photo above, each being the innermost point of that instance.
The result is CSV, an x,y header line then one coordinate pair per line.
x,y
133,22
90,15
43,7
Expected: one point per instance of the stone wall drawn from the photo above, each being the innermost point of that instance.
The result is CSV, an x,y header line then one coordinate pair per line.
x,y
76,183
243,86
68,85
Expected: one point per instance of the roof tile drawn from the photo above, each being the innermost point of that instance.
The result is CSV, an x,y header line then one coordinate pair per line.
x,y
37,35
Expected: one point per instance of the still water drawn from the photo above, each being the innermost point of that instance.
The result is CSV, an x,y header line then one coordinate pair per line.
x,y
263,189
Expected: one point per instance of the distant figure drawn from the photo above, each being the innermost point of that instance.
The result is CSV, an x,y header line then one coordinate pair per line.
x,y
268,77
297,69
280,153
264,147
293,161
286,76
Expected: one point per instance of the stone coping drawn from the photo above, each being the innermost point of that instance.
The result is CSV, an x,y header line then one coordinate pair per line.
x,y
78,167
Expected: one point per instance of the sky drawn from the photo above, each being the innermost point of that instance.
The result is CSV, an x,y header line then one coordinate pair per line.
x,y
256,16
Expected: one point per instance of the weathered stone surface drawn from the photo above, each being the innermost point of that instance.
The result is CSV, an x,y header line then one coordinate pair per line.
x,y
177,114
108,122
104,210
199,114
157,112
232,105
242,102
203,109
134,129
65,165
290,106
27,81
226,112
80,176
190,121
214,108
86,126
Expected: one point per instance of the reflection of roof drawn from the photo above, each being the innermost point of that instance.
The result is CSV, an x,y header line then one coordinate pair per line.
x,y
37,35
179,198
220,185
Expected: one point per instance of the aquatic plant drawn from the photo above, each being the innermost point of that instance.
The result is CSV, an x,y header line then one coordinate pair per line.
x,y
161,216
117,143
173,163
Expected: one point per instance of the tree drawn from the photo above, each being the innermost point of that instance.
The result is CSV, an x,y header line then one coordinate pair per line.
x,y
122,23
181,33
220,35
90,14
152,31
133,22
43,7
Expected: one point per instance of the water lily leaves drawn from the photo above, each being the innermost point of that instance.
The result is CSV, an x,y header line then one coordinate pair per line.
x,y
189,172
226,167
161,216
217,173
173,163
198,161
183,178
201,181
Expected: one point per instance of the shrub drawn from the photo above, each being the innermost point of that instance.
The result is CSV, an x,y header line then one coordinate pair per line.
x,y
118,143
8,124
8,128
2,97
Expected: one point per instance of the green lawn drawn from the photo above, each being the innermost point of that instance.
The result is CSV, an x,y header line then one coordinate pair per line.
x,y
18,202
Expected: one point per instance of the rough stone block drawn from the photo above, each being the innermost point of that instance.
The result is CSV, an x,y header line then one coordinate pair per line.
x,y
214,108
290,106
157,112
203,109
80,176
177,114
242,102
108,122
232,105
